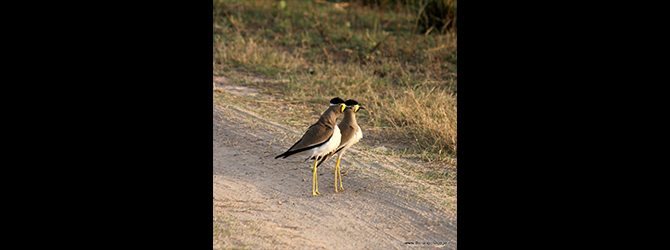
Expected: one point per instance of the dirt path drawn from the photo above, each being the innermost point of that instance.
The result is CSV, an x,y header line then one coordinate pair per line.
x,y
264,203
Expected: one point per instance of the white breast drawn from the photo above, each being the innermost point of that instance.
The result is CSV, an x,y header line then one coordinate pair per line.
x,y
330,145
358,135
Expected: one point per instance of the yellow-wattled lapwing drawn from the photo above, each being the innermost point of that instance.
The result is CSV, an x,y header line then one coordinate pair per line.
x,y
351,134
320,139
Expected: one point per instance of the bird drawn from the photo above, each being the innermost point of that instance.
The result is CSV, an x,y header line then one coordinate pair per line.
x,y
351,134
321,138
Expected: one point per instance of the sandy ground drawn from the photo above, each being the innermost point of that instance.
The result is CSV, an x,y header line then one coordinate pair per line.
x,y
264,203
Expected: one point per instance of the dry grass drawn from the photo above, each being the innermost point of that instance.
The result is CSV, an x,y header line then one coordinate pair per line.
x,y
405,80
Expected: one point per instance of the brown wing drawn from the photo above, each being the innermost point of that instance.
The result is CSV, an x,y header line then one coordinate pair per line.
x,y
347,131
316,135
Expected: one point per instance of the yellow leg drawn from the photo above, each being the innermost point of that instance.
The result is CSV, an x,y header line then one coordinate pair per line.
x,y
335,178
315,185
337,168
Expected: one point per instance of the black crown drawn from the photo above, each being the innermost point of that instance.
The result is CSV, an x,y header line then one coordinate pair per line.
x,y
351,102
336,100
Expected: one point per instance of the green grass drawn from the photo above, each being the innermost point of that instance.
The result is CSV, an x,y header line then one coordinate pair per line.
x,y
405,79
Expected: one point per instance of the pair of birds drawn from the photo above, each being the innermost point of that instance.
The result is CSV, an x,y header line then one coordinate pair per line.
x,y
325,138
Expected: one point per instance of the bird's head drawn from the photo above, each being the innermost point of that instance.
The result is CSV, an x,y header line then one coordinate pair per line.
x,y
339,103
353,105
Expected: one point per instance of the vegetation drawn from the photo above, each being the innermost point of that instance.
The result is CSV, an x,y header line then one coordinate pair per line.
x,y
397,58
434,15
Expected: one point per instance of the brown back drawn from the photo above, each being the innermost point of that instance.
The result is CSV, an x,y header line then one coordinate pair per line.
x,y
317,134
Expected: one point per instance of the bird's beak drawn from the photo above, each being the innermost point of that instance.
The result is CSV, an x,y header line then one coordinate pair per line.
x,y
342,108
